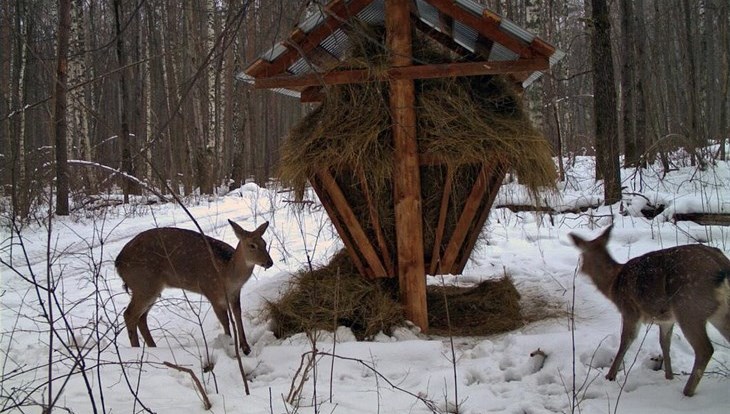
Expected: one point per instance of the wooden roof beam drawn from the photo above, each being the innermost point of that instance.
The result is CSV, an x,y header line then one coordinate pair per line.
x,y
431,71
338,12
488,27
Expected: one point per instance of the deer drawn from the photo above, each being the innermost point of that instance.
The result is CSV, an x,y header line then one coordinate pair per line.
x,y
689,285
168,257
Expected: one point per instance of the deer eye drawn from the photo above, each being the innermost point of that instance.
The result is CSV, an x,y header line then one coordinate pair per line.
x,y
252,246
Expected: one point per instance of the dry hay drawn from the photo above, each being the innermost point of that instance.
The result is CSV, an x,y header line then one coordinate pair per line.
x,y
336,295
462,123
490,307
331,296
464,120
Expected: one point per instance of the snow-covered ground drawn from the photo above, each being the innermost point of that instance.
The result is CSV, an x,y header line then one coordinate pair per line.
x,y
404,372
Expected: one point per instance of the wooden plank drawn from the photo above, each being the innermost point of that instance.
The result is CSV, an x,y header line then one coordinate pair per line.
x,y
311,94
445,40
338,12
441,225
353,226
430,71
375,221
466,218
406,174
326,201
495,181
486,26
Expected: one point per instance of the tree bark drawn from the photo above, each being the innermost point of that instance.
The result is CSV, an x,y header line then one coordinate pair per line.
x,y
123,99
61,146
604,103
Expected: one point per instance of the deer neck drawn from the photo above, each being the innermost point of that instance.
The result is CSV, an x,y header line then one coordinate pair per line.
x,y
238,269
603,271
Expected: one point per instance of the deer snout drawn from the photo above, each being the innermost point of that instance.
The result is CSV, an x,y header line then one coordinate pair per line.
x,y
268,264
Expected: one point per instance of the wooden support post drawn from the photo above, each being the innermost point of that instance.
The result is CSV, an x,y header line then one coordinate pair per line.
x,y
406,174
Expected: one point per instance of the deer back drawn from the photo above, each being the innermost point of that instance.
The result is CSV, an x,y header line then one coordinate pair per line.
x,y
185,259
659,282
172,257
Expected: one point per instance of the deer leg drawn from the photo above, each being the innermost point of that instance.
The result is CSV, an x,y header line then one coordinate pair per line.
x,y
721,321
665,341
236,309
133,318
696,335
145,330
629,326
222,313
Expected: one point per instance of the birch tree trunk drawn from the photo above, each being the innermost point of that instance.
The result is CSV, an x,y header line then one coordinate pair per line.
x,y
78,106
64,29
122,99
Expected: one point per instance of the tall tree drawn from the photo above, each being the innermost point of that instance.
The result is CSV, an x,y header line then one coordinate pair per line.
x,y
628,68
123,100
61,145
604,103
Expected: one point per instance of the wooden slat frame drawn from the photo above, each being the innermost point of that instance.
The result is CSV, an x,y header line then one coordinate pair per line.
x,y
326,201
495,182
375,221
469,211
359,238
441,226
338,13
429,71
485,26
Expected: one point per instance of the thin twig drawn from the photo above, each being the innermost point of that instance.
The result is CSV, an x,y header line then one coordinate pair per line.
x,y
198,384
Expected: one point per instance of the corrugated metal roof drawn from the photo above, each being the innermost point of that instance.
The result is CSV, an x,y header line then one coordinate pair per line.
x,y
337,43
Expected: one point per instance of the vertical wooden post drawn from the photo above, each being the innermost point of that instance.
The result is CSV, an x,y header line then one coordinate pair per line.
x,y
406,175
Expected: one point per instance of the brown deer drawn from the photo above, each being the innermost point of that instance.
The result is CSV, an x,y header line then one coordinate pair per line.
x,y
169,257
687,284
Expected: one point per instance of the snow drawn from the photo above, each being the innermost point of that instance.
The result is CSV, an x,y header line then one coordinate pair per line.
x,y
406,371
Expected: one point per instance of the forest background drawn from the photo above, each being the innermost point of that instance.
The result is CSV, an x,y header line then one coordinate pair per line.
x,y
149,89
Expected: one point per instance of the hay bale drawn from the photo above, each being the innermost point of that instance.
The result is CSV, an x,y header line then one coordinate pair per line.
x,y
491,307
331,296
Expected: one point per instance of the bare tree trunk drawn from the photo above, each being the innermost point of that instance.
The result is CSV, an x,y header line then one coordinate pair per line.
x,y
123,101
78,106
695,140
628,68
642,74
64,31
724,127
604,103
6,100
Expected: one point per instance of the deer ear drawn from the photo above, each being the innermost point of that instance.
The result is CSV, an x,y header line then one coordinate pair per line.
x,y
577,240
238,230
261,229
605,235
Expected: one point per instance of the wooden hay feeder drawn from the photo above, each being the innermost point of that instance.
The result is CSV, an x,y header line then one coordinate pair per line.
x,y
397,225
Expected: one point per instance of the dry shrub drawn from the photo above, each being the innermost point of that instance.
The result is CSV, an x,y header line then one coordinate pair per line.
x,y
492,306
331,296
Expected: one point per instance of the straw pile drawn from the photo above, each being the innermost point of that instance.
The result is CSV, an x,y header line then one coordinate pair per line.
x,y
492,306
331,296
336,295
